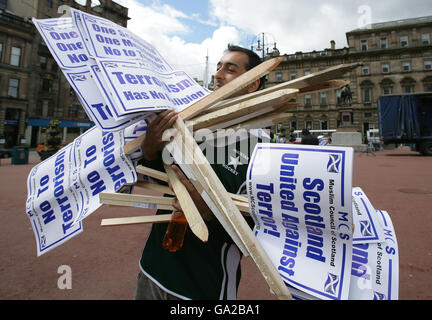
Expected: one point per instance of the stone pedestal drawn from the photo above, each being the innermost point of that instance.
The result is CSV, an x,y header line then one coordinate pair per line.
x,y
349,139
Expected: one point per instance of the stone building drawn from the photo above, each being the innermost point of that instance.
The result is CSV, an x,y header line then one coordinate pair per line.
x,y
33,90
396,58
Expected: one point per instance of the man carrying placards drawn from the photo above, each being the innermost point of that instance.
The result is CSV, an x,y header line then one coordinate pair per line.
x,y
199,270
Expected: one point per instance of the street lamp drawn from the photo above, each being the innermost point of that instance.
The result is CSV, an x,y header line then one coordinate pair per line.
x,y
262,42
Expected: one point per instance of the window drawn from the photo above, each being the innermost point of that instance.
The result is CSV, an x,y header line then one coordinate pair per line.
x,y
43,62
408,88
385,68
363,45
365,70
425,38
50,109
48,3
1,51
293,75
428,65
428,87
368,115
13,88
404,41
278,76
46,85
323,98
324,124
308,100
308,124
406,66
366,95
307,72
387,90
383,43
15,56
39,107
73,111
294,125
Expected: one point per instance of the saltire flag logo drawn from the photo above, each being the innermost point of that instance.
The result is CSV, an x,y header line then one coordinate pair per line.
x,y
78,77
365,228
379,296
331,284
333,163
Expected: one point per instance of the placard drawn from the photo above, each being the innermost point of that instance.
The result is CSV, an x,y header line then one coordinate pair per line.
x,y
300,200
135,87
63,41
63,189
375,266
105,39
99,107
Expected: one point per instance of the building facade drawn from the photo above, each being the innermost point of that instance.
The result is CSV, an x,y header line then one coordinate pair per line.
x,y
33,90
396,58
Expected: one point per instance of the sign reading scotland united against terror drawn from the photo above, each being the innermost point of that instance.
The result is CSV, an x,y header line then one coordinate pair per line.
x,y
63,189
300,200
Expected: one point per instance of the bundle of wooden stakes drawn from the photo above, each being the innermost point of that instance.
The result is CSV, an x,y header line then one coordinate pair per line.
x,y
216,111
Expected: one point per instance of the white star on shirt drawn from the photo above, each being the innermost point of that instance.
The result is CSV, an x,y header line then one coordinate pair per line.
x,y
234,162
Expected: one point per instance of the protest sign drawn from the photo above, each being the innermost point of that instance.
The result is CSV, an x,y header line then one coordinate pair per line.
x,y
375,266
135,87
105,39
369,228
300,200
99,108
63,189
139,79
62,39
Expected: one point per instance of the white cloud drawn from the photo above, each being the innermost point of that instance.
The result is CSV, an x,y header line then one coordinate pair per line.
x,y
161,25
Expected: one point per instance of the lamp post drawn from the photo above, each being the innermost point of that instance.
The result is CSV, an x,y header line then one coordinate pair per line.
x,y
261,43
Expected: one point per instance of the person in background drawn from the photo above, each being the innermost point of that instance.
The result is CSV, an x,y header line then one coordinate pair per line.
x,y
308,138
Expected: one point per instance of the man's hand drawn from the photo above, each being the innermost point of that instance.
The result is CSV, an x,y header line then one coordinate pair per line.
x,y
153,142
200,204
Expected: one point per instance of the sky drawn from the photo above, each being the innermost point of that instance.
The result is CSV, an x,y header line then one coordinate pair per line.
x,y
185,31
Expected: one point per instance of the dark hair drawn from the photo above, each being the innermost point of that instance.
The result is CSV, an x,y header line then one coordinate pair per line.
x,y
254,59
305,132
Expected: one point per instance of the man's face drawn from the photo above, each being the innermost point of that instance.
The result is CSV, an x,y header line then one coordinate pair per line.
x,y
230,66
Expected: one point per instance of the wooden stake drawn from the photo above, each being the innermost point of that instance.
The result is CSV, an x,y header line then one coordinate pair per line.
x,y
193,217
160,218
245,110
136,200
231,88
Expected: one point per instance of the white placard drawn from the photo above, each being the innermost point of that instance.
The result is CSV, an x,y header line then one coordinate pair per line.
x,y
63,41
368,228
375,266
99,107
63,189
300,200
136,88
106,39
